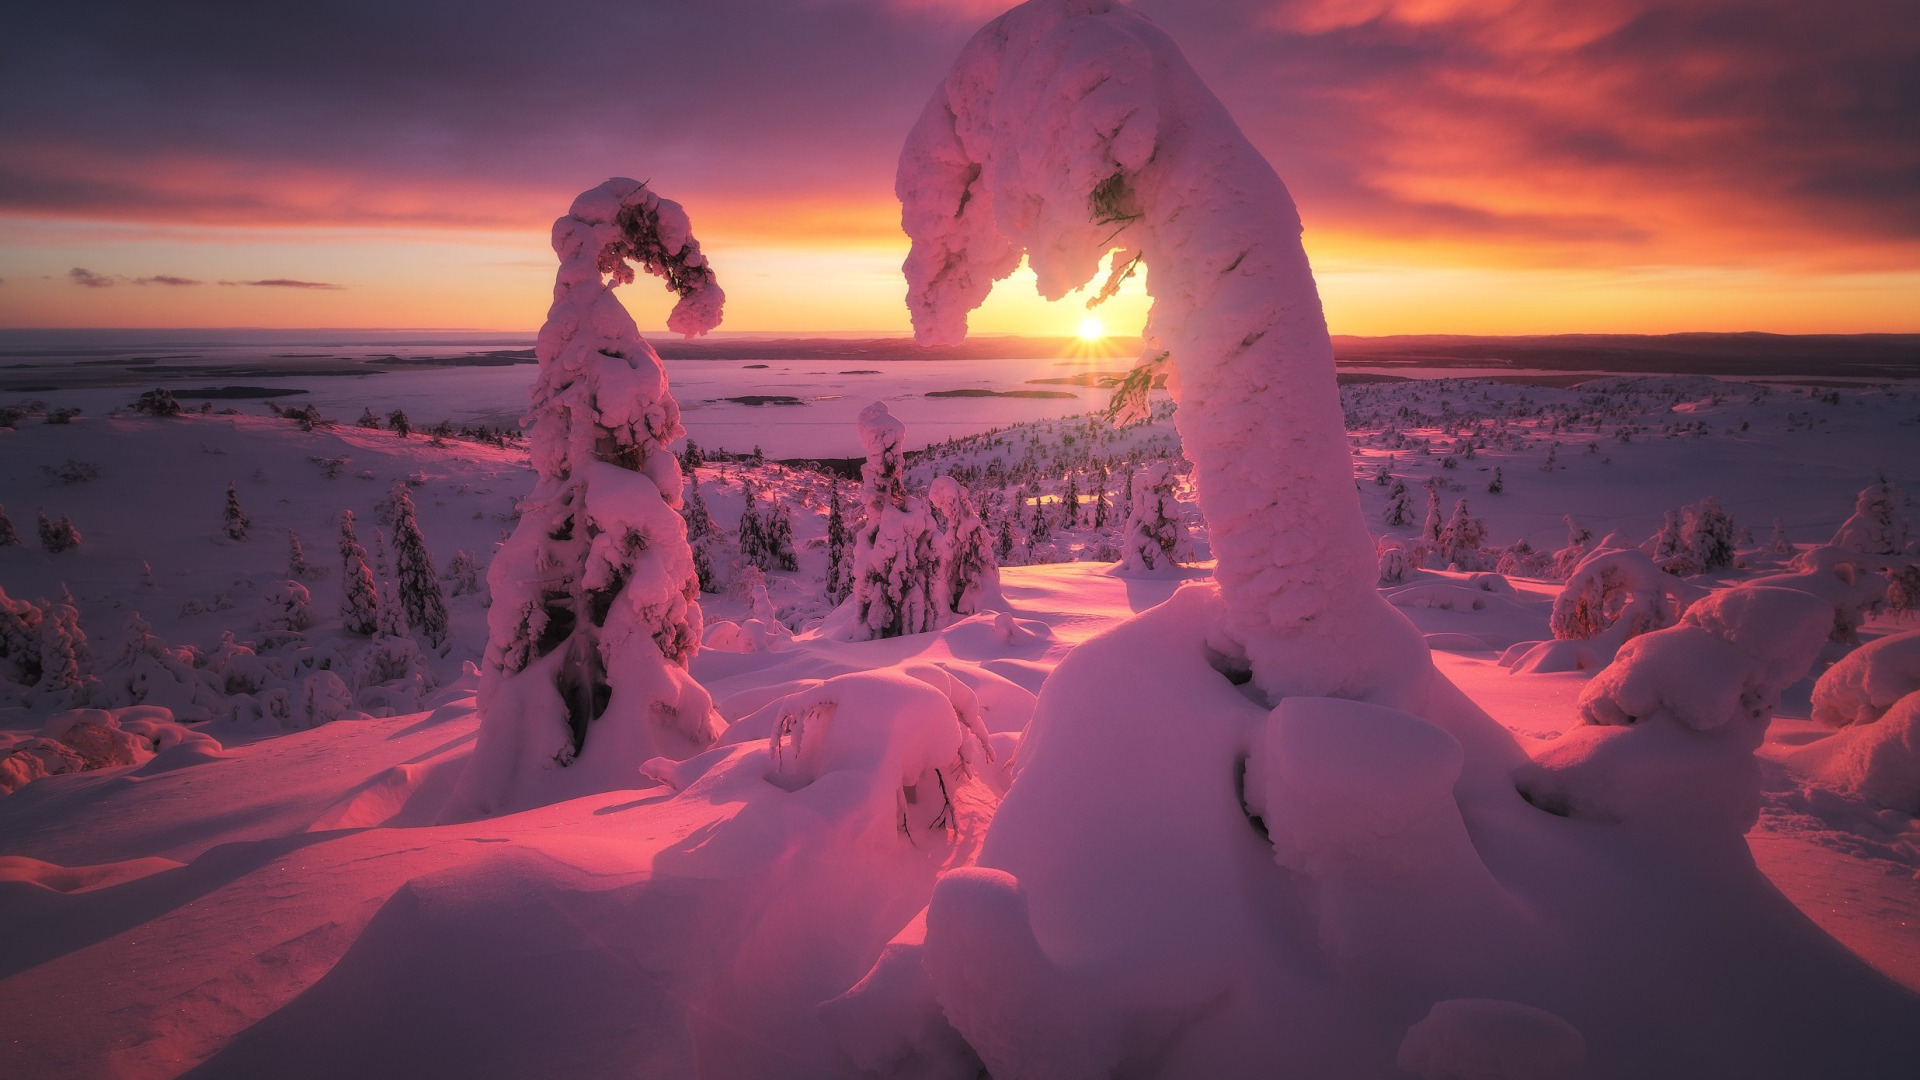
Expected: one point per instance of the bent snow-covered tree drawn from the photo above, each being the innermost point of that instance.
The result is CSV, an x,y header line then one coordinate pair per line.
x,y
595,611
1086,132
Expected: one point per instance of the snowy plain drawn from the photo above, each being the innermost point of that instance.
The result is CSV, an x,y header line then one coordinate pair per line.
x,y
236,913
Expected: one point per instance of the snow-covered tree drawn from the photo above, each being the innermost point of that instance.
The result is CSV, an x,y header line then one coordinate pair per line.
x,y
1461,538
595,596
1102,503
1154,536
359,598
1434,523
1070,503
420,591
1040,525
839,580
702,537
1707,534
893,558
286,607
19,641
297,566
1876,527
1398,511
8,536
58,535
779,525
1074,161
967,579
1579,544
390,615
1778,543
463,573
157,403
397,420
235,520
65,659
368,420
1498,484
752,534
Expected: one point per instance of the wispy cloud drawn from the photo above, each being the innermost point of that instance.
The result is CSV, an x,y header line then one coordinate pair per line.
x,y
80,275
167,279
287,283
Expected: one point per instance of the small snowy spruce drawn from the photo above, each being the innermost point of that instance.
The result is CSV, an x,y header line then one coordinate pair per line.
x,y
893,558
235,520
420,590
359,598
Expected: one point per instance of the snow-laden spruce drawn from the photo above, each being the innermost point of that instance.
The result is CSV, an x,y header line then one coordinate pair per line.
x,y
894,564
595,599
1070,128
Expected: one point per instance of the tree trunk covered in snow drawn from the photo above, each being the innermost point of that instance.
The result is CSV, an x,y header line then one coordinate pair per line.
x,y
1071,127
595,610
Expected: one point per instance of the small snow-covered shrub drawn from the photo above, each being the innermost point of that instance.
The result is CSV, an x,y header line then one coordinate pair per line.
x,y
158,402
59,535
72,471
1876,526
286,608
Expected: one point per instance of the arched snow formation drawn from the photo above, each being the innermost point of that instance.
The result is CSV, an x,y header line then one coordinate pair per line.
x,y
1073,127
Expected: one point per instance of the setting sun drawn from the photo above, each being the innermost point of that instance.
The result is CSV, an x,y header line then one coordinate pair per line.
x,y
1091,330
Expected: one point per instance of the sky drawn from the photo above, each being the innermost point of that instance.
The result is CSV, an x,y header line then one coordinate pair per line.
x,y
1462,166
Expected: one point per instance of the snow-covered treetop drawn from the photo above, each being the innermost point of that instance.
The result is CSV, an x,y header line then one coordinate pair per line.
x,y
1044,117
622,220
1070,128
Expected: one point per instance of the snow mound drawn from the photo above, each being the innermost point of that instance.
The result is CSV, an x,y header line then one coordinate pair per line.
x,y
1868,681
1480,1039
81,740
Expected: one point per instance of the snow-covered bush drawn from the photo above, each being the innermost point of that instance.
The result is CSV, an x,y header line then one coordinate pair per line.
x,y
1461,537
1868,681
1154,536
1068,129
1707,533
158,402
894,564
463,573
286,608
1838,576
1393,564
595,597
966,579
80,740
1617,594
147,671
1670,727
59,535
1876,526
